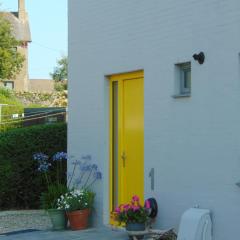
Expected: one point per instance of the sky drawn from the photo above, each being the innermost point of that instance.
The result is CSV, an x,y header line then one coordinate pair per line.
x,y
48,23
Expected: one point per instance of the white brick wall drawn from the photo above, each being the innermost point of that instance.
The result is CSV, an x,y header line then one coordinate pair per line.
x,y
194,143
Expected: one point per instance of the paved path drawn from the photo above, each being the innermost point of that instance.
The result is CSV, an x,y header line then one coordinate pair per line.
x,y
91,234
24,219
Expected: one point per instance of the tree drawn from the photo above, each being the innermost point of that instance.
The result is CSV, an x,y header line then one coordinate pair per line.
x,y
61,70
60,74
11,61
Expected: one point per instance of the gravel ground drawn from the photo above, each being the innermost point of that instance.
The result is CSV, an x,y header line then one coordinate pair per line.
x,y
24,219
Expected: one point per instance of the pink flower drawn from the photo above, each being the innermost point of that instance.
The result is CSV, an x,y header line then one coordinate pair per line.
x,y
135,198
147,204
117,210
126,207
135,208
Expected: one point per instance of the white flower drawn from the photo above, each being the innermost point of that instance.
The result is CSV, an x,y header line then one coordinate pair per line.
x,y
77,192
67,206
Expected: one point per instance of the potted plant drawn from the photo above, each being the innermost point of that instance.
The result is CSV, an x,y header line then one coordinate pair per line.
x,y
78,201
133,215
54,173
49,203
77,204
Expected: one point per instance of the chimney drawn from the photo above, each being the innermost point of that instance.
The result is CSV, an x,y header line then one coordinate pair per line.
x,y
21,10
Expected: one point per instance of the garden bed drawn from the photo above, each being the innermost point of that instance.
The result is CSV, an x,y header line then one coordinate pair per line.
x,y
24,220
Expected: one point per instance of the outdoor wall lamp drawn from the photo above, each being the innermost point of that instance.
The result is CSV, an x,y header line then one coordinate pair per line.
x,y
199,57
238,184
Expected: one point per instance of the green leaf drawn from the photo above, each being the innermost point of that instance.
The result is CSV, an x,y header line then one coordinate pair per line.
x,y
11,61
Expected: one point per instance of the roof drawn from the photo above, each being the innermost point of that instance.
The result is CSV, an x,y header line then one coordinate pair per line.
x,y
21,29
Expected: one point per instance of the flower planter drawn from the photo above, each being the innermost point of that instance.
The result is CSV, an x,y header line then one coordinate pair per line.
x,y
58,219
78,219
136,227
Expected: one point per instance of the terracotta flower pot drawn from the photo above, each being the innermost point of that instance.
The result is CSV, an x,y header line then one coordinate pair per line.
x,y
78,219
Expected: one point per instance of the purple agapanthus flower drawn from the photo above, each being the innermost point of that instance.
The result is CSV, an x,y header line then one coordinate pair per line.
x,y
40,157
59,156
44,166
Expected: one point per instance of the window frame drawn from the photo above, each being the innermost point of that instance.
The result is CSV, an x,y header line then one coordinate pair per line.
x,y
7,82
184,70
183,83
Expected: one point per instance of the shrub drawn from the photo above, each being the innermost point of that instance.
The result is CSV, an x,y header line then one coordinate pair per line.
x,y
6,92
20,183
60,86
13,106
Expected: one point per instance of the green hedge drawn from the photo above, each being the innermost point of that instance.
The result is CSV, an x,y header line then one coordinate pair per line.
x,y
20,183
14,106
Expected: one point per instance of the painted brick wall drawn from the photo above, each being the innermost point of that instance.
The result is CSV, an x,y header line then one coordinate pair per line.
x,y
193,143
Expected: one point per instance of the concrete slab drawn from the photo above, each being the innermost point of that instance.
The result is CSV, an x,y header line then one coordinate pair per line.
x,y
90,234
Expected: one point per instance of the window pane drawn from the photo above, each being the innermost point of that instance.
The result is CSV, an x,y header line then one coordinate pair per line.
x,y
115,144
187,79
8,85
183,79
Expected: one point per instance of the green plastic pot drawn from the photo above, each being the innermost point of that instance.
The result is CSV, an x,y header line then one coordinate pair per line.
x,y
58,219
136,227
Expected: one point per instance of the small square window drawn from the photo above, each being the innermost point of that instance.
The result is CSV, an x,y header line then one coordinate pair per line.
x,y
183,79
9,85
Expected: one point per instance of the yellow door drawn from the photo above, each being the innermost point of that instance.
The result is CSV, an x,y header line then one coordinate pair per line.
x,y
126,137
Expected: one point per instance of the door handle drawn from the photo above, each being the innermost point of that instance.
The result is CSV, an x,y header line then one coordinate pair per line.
x,y
124,156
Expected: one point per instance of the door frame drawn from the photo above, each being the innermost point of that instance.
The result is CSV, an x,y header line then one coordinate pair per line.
x,y
117,78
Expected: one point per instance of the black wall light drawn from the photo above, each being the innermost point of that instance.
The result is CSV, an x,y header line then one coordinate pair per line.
x,y
199,57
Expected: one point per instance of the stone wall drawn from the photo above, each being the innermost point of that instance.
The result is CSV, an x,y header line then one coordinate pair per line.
x,y
41,85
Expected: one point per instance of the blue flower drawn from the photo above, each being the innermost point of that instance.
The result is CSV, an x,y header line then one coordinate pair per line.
x,y
40,157
59,156
44,166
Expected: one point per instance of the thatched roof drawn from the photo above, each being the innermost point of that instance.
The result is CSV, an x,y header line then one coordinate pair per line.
x,y
21,29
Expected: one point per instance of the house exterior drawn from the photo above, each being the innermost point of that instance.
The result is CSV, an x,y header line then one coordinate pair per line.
x,y
41,85
21,31
158,122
